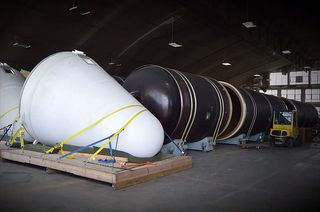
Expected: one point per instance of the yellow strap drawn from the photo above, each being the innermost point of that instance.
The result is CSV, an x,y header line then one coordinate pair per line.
x,y
9,111
116,134
14,137
21,138
60,145
69,157
20,133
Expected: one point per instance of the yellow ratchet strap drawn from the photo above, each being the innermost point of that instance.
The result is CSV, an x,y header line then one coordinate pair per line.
x,y
69,157
116,134
9,111
60,145
19,133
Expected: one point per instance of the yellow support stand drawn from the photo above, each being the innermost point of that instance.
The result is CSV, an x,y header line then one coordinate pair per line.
x,y
19,133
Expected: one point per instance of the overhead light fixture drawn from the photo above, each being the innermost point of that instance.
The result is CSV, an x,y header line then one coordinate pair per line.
x,y
112,62
86,13
306,67
257,75
286,51
249,24
21,45
174,44
226,64
73,6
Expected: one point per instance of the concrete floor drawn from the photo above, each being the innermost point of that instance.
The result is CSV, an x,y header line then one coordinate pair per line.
x,y
228,179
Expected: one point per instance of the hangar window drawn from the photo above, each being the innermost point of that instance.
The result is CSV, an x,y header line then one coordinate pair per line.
x,y
278,78
294,94
272,92
315,77
299,78
312,95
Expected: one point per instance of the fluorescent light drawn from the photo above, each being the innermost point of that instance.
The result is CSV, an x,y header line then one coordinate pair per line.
x,y
257,75
111,63
175,45
286,51
21,45
226,64
73,8
86,13
249,24
306,67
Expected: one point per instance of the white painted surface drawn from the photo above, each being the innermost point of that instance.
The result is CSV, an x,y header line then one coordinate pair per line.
x,y
11,83
67,92
10,88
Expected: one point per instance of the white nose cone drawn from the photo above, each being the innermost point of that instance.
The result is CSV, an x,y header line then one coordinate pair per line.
x,y
67,92
11,82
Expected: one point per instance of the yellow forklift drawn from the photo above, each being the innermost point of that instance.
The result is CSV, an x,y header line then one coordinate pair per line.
x,y
285,130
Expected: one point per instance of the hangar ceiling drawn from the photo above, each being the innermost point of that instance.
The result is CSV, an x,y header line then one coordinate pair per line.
x,y
123,35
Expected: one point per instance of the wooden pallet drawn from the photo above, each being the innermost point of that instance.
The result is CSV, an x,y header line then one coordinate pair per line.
x,y
254,145
114,174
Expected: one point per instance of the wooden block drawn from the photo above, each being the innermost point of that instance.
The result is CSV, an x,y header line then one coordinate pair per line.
x,y
254,145
149,172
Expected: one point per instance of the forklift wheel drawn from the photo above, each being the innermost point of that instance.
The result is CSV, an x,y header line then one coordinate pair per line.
x,y
290,142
